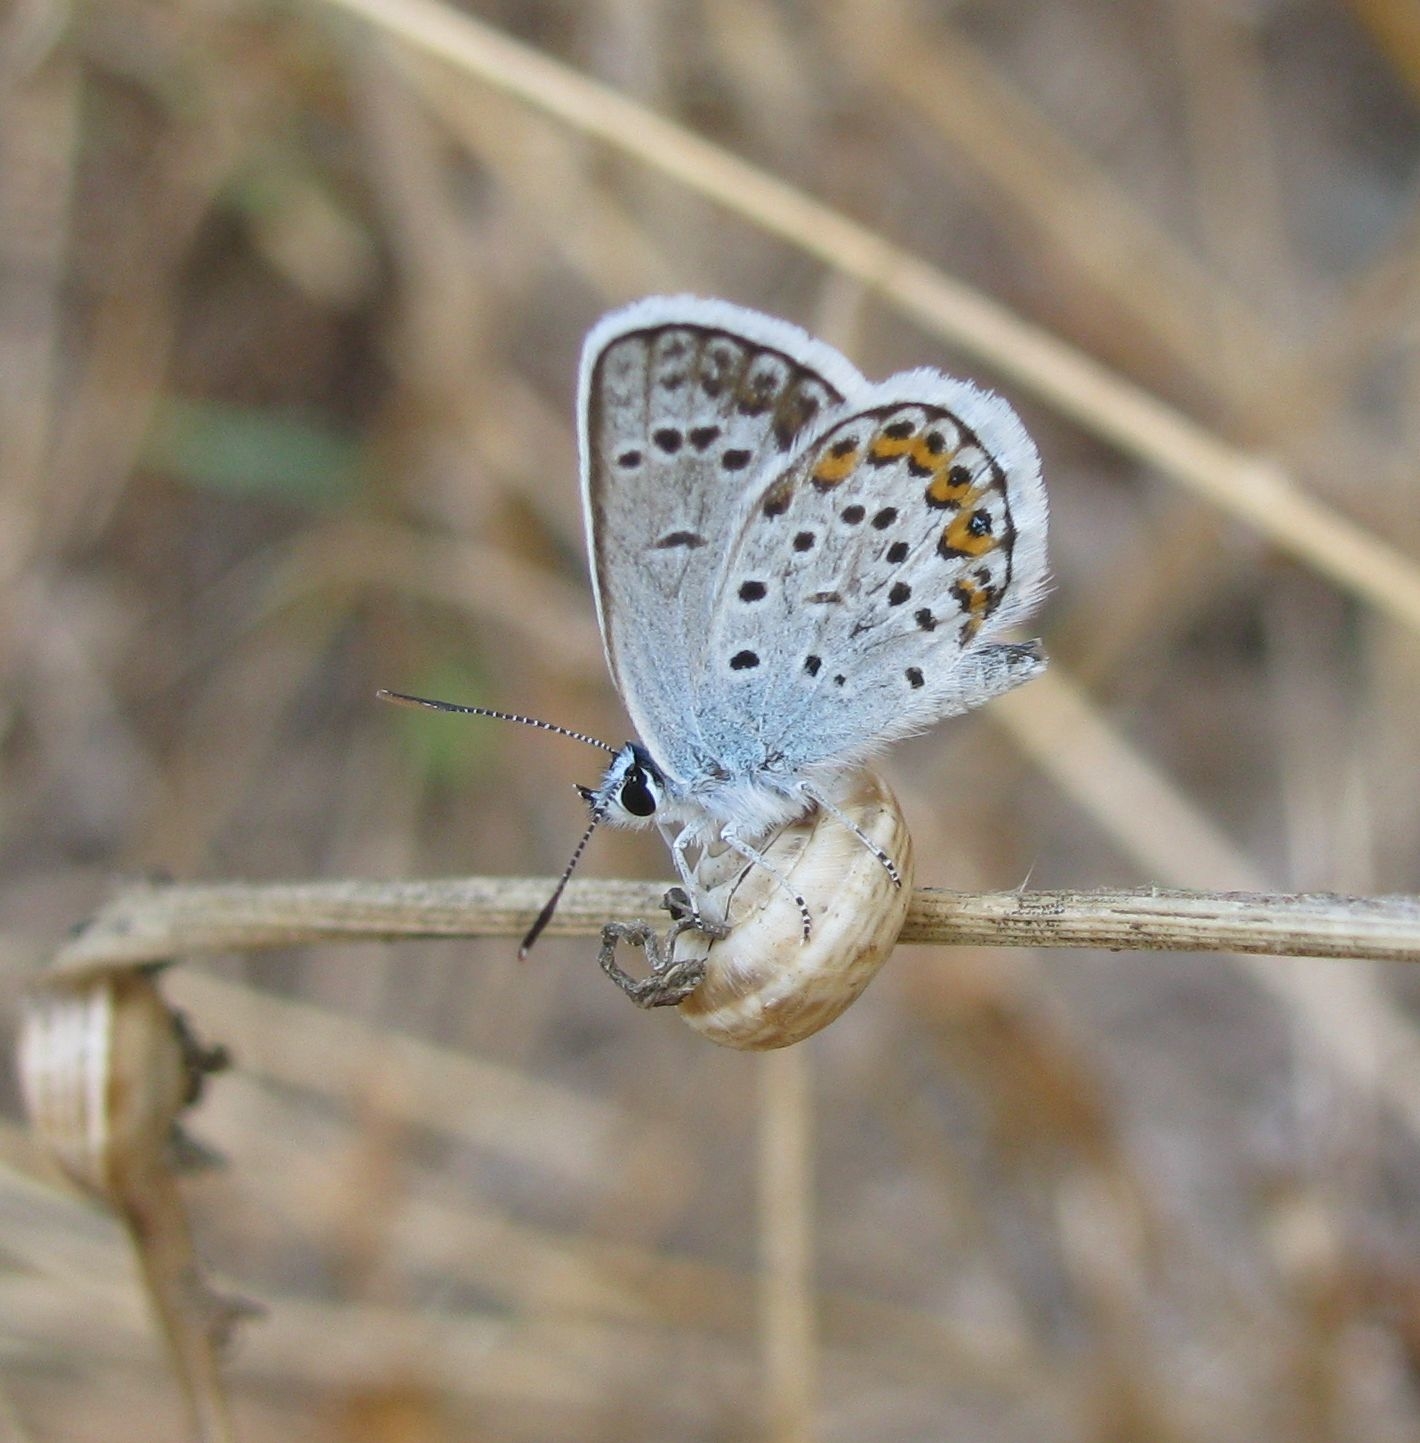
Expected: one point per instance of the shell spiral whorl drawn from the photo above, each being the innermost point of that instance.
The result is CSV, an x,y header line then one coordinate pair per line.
x,y
766,987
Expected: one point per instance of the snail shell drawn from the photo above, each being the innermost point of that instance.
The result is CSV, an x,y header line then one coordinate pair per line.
x,y
765,986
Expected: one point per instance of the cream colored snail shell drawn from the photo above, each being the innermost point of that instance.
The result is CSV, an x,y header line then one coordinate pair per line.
x,y
765,986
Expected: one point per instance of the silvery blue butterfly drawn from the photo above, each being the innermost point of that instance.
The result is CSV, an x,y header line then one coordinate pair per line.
x,y
793,566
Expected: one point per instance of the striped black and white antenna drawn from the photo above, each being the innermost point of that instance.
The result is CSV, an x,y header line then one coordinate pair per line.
x,y
599,801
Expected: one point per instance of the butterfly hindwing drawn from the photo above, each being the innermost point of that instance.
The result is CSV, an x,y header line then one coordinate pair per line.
x,y
867,581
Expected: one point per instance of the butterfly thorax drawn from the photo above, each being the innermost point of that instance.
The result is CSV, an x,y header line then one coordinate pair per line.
x,y
635,792
753,805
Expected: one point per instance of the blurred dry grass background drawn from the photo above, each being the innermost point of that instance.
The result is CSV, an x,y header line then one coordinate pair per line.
x,y
288,334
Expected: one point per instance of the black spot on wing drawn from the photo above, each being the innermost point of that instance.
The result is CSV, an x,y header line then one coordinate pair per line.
x,y
799,404
759,390
778,497
721,364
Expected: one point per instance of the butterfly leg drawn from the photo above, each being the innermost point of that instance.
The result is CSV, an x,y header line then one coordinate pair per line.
x,y
668,981
681,905
737,844
817,797
685,901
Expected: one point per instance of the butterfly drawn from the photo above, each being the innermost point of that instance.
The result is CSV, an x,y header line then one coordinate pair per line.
x,y
793,566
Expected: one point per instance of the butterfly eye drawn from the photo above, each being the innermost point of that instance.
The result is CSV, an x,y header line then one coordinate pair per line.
x,y
636,795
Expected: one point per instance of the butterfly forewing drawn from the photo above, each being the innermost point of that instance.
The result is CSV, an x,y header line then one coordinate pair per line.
x,y
867,580
686,406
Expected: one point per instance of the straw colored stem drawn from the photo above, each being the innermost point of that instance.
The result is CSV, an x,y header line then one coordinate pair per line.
x,y
1251,488
158,923
787,1327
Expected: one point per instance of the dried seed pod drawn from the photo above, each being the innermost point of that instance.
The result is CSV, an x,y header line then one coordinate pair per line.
x,y
764,985
106,1066
105,1073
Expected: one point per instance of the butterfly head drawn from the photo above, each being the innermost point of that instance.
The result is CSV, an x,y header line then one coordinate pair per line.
x,y
632,791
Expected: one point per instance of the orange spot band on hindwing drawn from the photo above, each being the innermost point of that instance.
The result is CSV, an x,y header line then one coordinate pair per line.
x,y
836,464
969,532
976,599
889,448
950,485
971,596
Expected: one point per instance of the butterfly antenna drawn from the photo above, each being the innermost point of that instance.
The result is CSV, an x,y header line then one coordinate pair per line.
x,y
545,916
400,698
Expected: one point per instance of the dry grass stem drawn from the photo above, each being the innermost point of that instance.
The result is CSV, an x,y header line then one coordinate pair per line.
x,y
1251,488
788,1328
159,923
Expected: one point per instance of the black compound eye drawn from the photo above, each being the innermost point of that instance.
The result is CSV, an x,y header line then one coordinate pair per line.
x,y
636,797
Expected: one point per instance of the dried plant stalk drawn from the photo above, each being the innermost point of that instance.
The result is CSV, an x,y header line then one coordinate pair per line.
x,y
107,1068
154,923
1250,487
